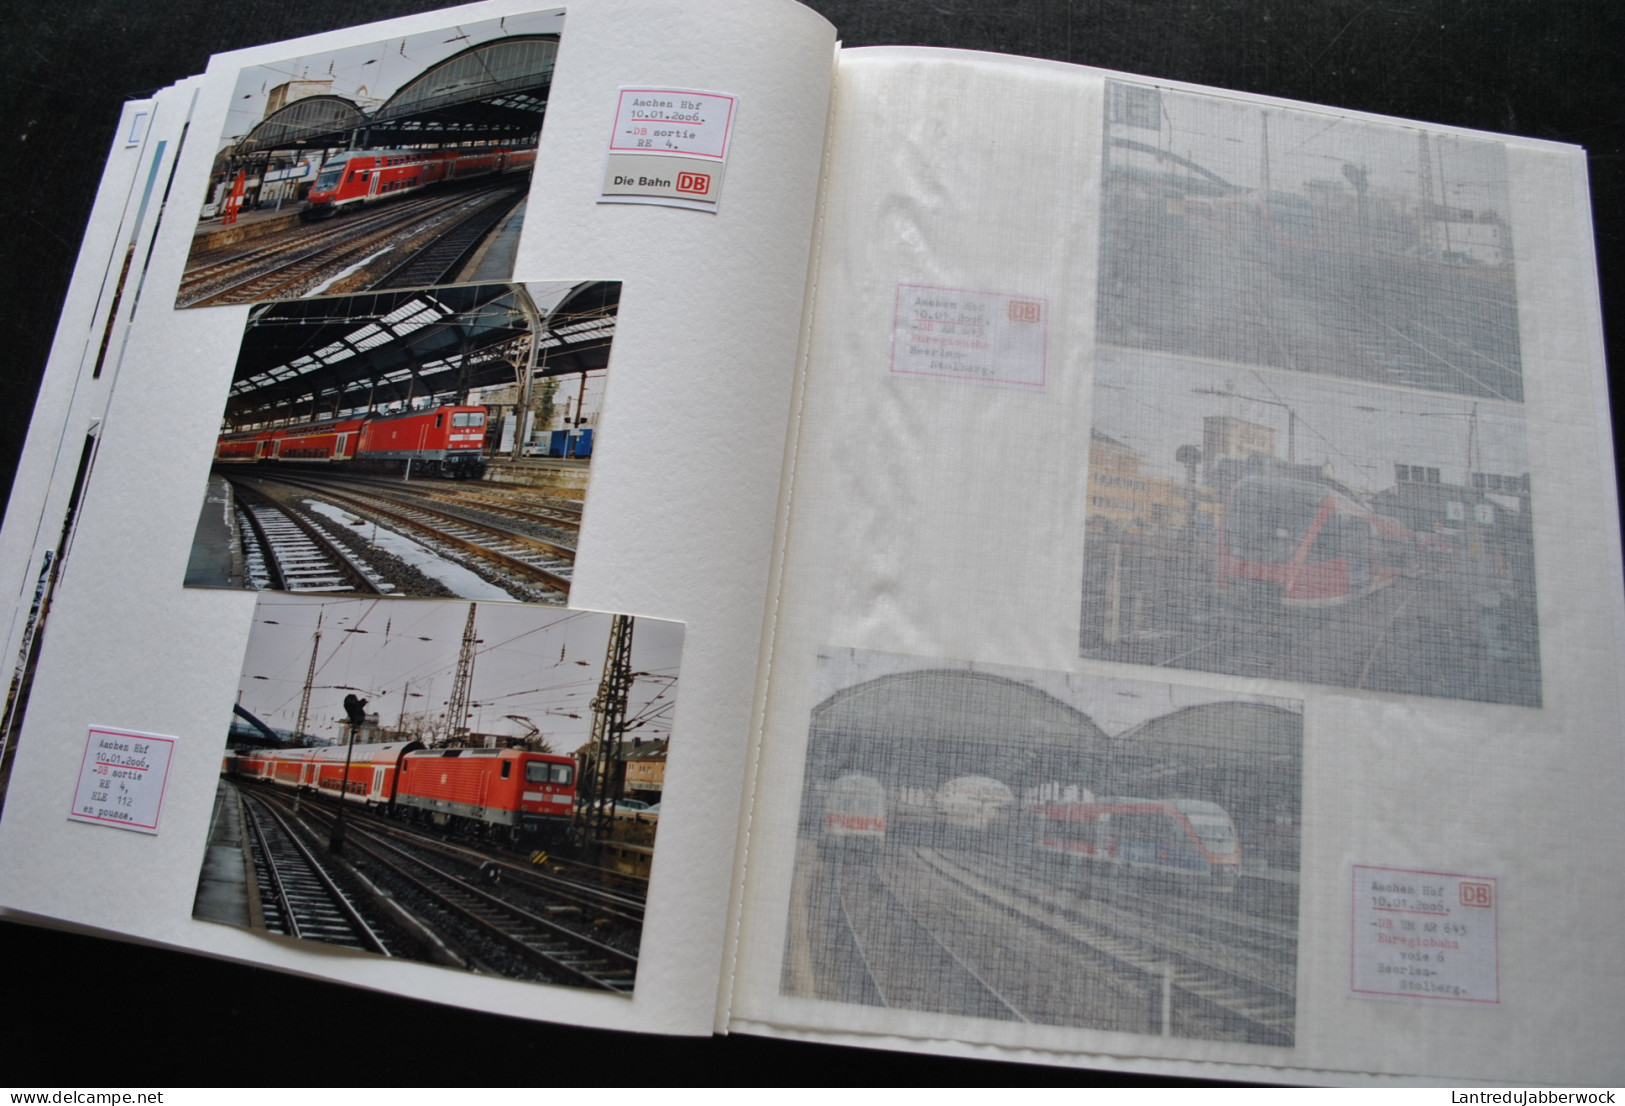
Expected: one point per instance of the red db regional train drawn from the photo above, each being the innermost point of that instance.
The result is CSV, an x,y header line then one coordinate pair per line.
x,y
1308,545
436,441
512,794
360,177
1189,839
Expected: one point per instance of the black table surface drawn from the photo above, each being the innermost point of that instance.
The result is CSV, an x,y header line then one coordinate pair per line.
x,y
1552,70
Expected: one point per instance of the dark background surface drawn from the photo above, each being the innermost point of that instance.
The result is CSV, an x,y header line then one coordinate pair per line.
x,y
1552,69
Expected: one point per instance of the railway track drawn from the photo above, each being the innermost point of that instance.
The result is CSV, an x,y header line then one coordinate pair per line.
x,y
443,258
594,897
547,947
543,566
561,515
285,551
300,897
906,963
1192,992
291,263
497,925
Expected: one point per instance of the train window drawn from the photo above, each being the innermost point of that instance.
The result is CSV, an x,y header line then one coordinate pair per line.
x,y
540,771
507,768
439,419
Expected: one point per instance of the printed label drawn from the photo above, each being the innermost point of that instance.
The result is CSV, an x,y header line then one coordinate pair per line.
x,y
1425,935
987,336
650,179
122,779
669,146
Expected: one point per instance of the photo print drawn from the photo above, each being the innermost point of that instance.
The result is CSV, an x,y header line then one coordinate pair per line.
x,y
466,784
1047,847
394,164
423,442
1308,454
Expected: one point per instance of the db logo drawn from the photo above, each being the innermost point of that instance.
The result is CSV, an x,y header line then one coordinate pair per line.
x,y
1477,894
1023,311
694,182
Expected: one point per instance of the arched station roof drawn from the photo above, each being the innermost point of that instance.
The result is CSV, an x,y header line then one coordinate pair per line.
x,y
311,121
495,91
319,356
923,728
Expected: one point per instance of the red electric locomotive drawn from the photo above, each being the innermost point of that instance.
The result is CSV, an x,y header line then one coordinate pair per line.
x,y
359,177
441,440
514,794
510,792
1308,545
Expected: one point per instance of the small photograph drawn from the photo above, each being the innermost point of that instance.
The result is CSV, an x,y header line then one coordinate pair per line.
x,y
1300,240
1048,847
470,785
394,164
426,442
1294,527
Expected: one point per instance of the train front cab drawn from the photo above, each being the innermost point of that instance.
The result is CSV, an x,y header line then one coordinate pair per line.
x,y
508,793
1185,843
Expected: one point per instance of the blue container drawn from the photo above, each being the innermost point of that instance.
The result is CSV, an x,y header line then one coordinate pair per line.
x,y
583,442
558,443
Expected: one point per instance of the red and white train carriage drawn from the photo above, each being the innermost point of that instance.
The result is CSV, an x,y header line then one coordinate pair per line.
x,y
447,440
359,177
511,793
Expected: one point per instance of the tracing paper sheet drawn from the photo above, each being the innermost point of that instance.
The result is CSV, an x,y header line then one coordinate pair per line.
x,y
1197,626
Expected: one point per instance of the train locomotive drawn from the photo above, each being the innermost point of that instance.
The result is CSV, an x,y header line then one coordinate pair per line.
x,y
854,814
1190,840
357,178
447,440
1309,545
509,794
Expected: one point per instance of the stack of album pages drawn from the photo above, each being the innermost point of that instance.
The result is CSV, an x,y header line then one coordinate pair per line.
x,y
699,531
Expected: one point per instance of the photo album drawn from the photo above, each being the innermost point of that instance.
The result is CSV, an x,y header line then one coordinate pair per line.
x,y
699,531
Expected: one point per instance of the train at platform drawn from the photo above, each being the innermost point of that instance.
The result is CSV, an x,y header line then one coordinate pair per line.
x,y
1301,544
360,178
512,795
854,814
1190,841
438,441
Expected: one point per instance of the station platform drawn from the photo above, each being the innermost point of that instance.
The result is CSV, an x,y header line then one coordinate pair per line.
x,y
223,885
494,260
212,234
565,477
216,560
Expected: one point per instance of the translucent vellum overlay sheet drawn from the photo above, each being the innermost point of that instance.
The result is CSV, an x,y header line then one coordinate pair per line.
x,y
1013,797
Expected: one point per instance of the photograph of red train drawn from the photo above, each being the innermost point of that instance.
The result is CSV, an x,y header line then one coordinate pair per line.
x,y
1292,527
1048,847
1307,455
440,782
432,442
396,164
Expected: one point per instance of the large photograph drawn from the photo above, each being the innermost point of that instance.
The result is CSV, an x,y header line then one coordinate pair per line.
x,y
476,786
394,164
1047,847
1308,457
428,442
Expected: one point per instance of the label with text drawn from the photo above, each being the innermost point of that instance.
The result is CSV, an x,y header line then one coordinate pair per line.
x,y
122,779
673,181
669,146
1430,935
963,335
